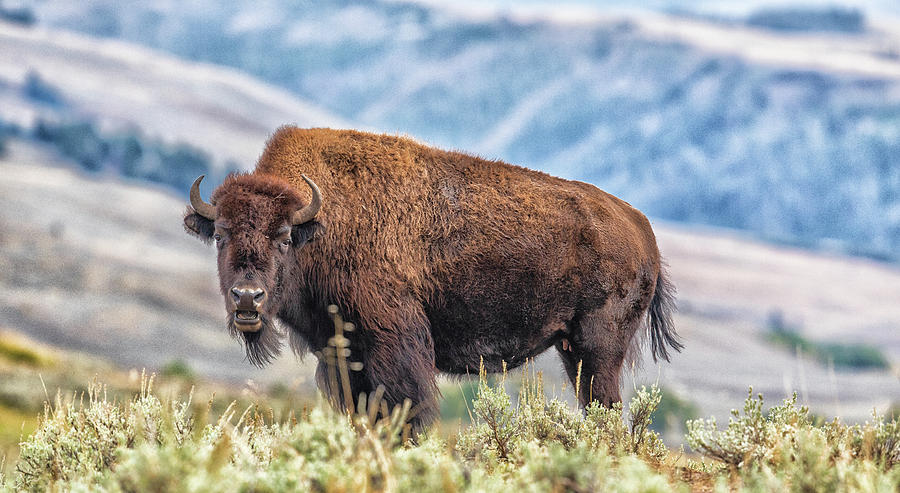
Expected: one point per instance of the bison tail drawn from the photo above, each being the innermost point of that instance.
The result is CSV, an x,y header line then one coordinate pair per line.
x,y
662,328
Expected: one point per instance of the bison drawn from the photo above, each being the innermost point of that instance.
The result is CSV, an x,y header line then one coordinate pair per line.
x,y
442,261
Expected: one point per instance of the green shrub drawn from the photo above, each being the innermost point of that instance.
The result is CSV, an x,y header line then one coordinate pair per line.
x,y
532,445
557,468
783,450
858,356
855,356
673,412
501,431
178,369
77,442
750,437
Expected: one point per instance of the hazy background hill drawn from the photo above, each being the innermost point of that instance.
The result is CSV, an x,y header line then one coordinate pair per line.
x,y
779,120
727,124
56,78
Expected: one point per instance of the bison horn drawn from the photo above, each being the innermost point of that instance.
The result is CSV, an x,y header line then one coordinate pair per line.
x,y
206,210
307,213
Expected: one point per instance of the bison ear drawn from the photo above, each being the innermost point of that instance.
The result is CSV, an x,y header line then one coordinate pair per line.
x,y
199,226
302,234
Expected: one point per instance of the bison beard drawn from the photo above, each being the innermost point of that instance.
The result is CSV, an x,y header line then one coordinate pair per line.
x,y
261,346
265,344
441,260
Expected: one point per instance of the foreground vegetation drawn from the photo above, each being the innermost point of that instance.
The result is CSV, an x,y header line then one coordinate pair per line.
x,y
91,442
134,435
31,373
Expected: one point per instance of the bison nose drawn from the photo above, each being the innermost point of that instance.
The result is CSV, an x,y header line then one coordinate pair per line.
x,y
247,297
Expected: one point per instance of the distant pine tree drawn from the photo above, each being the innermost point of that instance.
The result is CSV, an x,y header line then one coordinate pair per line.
x,y
19,15
37,89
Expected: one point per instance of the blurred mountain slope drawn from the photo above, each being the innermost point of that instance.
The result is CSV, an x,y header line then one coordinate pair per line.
x,y
222,111
792,135
732,290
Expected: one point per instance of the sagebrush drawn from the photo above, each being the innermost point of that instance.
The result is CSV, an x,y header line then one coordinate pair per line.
x,y
91,443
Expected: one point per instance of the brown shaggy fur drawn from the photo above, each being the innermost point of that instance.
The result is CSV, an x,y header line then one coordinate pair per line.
x,y
441,259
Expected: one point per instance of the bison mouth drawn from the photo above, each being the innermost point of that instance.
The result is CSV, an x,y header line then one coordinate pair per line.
x,y
247,320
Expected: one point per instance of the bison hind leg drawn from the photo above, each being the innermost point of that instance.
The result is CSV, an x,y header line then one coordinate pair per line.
x,y
594,351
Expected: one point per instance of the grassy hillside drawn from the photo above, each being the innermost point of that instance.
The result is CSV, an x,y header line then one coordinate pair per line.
x,y
134,432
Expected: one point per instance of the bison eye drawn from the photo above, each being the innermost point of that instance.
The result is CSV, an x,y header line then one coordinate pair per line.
x,y
217,237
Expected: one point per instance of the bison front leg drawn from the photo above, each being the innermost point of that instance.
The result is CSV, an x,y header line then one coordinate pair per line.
x,y
398,358
402,366
340,384
403,362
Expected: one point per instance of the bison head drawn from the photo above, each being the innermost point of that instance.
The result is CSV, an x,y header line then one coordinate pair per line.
x,y
257,222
